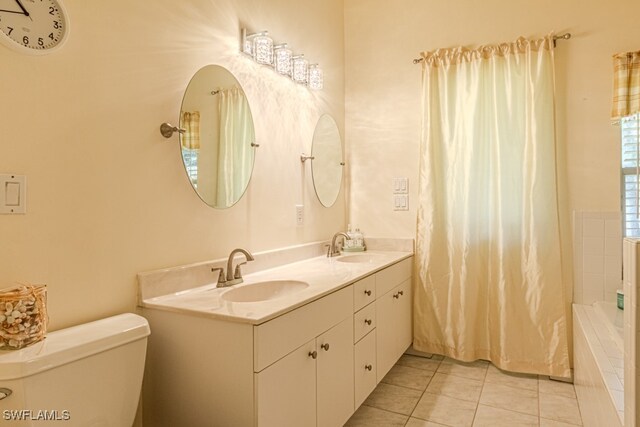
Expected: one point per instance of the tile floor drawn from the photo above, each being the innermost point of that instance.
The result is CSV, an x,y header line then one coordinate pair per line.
x,y
438,391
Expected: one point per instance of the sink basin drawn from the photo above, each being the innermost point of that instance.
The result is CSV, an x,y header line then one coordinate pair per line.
x,y
359,259
264,291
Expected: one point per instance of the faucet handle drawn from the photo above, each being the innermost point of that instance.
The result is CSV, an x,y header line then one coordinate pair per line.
x,y
238,274
221,279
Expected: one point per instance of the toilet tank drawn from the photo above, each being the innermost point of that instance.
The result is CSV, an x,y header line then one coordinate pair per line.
x,y
88,375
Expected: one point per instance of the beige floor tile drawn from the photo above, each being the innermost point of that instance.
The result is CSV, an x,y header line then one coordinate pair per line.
x,y
393,398
497,376
486,416
405,376
510,398
419,362
445,410
416,422
547,386
473,370
457,387
559,408
551,423
367,416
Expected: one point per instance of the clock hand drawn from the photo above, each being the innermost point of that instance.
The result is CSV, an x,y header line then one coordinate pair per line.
x,y
23,9
11,11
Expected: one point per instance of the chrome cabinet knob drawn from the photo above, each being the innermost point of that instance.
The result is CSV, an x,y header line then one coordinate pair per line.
x,y
367,321
325,347
313,354
368,367
368,292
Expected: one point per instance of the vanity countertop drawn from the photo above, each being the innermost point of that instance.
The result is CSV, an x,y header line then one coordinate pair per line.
x,y
324,276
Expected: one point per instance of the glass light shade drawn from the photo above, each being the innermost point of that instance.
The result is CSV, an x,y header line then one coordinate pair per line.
x,y
316,77
282,59
300,69
263,49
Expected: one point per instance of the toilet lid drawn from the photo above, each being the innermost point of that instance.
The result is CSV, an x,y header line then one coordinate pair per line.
x,y
71,344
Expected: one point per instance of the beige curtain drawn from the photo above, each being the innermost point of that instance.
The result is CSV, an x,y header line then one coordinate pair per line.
x,y
488,242
626,84
235,154
190,122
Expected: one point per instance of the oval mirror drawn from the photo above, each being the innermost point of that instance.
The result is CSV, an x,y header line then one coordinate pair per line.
x,y
219,139
327,164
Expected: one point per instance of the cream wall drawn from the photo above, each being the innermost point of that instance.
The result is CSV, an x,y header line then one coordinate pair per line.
x,y
107,194
383,92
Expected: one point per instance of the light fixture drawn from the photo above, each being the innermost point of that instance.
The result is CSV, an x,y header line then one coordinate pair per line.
x,y
263,49
316,77
300,69
280,57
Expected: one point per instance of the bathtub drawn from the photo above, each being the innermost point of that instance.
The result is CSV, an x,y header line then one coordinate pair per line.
x,y
598,360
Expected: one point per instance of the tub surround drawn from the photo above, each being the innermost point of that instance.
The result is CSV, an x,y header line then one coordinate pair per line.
x,y
598,371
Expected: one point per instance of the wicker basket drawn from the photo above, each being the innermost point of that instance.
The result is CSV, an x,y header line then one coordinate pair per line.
x,y
23,316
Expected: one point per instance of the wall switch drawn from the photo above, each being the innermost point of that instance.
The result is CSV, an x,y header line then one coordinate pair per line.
x,y
401,202
13,194
299,214
400,185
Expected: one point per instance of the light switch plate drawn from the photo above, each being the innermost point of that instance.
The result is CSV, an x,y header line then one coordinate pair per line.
x,y
13,194
401,202
400,185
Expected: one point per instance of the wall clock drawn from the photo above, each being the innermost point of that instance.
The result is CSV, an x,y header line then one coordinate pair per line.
x,y
33,27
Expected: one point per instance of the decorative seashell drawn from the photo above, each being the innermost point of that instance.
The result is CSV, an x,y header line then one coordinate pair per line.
x,y
9,306
10,319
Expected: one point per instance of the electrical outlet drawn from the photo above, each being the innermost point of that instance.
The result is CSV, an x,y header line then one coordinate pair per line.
x,y
299,214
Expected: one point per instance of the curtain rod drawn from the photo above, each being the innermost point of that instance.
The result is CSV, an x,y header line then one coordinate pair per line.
x,y
565,36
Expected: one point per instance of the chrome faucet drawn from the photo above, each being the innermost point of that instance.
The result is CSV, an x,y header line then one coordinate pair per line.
x,y
233,277
333,249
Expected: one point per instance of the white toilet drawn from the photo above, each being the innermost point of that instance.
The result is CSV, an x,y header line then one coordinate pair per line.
x,y
89,375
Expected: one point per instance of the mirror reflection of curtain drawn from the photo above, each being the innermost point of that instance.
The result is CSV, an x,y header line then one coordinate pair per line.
x,y
488,238
190,122
235,153
190,141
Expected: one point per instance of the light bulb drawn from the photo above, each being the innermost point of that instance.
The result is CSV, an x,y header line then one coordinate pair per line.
x,y
282,59
300,69
263,48
316,77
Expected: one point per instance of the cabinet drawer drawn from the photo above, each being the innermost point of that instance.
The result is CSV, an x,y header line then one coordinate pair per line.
x,y
364,322
365,368
364,292
392,276
276,338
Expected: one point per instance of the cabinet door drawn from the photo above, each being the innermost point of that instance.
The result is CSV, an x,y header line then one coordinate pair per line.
x,y
394,333
385,334
335,375
404,318
365,367
286,390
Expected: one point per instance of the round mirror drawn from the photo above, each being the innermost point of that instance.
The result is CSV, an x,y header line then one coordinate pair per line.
x,y
327,164
218,141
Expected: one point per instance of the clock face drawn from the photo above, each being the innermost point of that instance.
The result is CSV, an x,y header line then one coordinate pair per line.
x,y
33,26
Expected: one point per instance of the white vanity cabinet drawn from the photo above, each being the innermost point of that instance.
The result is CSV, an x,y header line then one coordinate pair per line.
x,y
382,325
313,384
311,366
